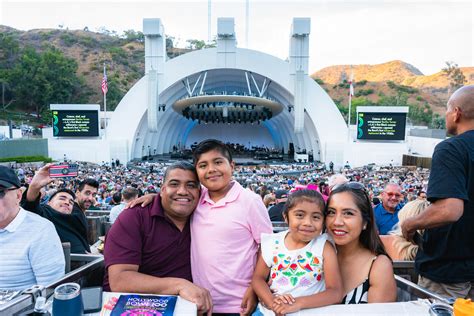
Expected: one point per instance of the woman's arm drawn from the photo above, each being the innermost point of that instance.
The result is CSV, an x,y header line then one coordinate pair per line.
x,y
259,282
383,287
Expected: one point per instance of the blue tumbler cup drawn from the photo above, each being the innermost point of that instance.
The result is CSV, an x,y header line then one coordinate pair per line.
x,y
68,300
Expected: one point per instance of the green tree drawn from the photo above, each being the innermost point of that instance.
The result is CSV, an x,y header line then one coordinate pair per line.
x,y
199,44
455,75
9,48
41,79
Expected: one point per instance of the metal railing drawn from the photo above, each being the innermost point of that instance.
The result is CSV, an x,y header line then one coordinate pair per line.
x,y
89,273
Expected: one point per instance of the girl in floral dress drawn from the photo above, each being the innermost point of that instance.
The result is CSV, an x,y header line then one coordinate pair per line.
x,y
301,263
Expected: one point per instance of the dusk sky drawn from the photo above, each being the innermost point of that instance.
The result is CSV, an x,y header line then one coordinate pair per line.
x,y
423,33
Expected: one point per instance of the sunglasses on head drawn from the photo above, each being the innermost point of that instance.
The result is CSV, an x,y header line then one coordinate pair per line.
x,y
4,191
351,185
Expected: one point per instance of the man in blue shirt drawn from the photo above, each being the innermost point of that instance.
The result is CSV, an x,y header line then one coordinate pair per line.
x,y
386,213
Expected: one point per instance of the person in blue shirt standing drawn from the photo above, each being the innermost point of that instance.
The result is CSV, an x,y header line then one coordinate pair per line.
x,y
386,213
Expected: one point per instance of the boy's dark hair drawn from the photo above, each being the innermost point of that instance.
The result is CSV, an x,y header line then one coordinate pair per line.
x,y
183,165
209,145
90,182
300,196
63,190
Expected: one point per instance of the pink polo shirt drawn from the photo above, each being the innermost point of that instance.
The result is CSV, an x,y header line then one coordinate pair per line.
x,y
224,244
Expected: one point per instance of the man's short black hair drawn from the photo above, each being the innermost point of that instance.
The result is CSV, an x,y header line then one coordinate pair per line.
x,y
63,190
183,165
90,182
209,145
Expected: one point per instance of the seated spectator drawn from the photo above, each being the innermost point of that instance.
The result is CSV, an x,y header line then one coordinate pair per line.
x,y
400,248
335,180
386,213
269,200
85,195
128,194
117,198
276,212
421,195
30,249
70,222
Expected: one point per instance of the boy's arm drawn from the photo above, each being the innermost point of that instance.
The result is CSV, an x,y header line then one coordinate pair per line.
x,y
259,282
334,292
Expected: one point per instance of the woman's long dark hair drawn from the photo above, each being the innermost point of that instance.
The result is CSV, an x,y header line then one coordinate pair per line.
x,y
369,236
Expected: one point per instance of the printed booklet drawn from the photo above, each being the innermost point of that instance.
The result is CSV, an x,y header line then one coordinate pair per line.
x,y
144,305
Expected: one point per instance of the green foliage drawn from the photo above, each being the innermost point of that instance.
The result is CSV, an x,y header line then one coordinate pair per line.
x,y
344,85
68,39
419,98
455,75
87,41
199,44
438,122
319,81
9,48
362,92
23,159
361,83
114,93
401,88
118,54
39,79
133,36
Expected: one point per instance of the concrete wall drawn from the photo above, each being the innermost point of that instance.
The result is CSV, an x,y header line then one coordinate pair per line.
x,y
5,132
431,133
422,146
77,149
23,147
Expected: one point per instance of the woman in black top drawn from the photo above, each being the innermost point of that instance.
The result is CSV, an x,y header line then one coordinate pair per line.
x,y
366,270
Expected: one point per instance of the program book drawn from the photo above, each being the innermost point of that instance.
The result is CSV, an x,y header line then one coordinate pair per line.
x,y
144,305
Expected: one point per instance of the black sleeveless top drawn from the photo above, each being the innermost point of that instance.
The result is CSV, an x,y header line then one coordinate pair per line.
x,y
359,295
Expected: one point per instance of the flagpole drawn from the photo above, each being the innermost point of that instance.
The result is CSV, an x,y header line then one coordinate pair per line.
x,y
105,107
351,89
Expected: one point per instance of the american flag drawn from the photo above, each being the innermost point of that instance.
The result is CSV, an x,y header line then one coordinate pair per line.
x,y
105,88
351,87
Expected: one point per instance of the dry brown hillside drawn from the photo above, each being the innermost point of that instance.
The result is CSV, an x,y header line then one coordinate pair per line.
x,y
395,71
432,89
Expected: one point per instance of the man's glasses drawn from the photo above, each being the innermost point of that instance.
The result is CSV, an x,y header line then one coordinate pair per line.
x,y
390,194
4,191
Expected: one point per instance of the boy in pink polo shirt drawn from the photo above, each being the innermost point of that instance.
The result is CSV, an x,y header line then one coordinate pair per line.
x,y
225,232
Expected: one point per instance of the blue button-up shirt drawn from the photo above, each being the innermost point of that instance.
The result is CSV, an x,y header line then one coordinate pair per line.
x,y
384,219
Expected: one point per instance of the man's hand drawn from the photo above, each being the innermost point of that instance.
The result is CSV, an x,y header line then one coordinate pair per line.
x,y
198,295
40,180
249,302
143,200
41,177
407,231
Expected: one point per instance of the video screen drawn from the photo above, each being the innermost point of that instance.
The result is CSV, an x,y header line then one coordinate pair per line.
x,y
381,126
75,123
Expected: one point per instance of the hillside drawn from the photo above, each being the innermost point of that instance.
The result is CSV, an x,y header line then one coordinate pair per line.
x,y
432,89
123,56
391,83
